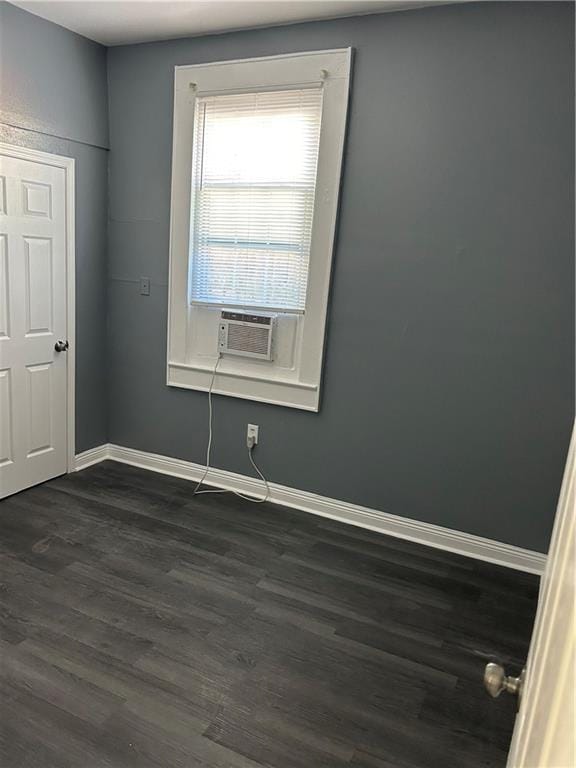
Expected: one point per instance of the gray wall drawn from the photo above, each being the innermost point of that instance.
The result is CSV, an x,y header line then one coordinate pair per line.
x,y
448,385
53,97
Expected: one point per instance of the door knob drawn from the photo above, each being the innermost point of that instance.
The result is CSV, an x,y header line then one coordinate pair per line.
x,y
61,346
496,681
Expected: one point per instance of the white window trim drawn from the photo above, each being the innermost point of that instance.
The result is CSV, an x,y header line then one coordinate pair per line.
x,y
298,386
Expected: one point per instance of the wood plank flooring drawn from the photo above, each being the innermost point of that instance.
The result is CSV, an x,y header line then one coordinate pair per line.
x,y
143,628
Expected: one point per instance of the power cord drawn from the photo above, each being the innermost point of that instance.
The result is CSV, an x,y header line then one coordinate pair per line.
x,y
197,490
209,447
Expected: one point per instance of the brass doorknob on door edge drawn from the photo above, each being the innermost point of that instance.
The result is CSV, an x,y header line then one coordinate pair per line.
x,y
61,346
496,681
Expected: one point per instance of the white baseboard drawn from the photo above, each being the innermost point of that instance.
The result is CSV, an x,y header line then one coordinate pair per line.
x,y
465,544
93,456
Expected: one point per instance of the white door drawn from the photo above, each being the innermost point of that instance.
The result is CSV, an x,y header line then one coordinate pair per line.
x,y
544,735
33,319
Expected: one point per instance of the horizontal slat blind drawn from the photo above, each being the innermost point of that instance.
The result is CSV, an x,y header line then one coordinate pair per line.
x,y
253,186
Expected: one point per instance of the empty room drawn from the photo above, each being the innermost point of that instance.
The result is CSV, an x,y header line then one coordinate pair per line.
x,y
287,366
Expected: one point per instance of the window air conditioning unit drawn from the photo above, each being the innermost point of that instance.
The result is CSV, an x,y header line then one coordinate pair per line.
x,y
246,334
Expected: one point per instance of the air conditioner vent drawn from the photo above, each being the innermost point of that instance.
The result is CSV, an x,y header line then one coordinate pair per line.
x,y
248,335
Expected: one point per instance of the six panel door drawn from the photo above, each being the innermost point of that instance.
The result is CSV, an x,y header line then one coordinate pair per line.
x,y
33,375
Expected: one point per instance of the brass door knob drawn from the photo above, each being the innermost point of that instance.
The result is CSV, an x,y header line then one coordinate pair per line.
x,y
496,681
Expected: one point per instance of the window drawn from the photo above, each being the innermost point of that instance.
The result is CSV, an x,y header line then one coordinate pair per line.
x,y
253,186
256,165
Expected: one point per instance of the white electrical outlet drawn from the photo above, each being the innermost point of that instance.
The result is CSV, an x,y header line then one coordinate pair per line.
x,y
252,435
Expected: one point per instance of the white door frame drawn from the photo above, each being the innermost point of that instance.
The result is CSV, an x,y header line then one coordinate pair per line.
x,y
543,734
68,165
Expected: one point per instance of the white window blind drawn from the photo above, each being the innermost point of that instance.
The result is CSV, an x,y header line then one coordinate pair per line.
x,y
253,186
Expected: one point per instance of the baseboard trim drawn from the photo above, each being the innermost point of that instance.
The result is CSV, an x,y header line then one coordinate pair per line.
x,y
430,535
92,456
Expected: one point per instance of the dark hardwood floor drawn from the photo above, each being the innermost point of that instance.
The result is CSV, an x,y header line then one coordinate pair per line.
x,y
142,627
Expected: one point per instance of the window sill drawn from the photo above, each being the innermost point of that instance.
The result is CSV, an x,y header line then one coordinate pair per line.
x,y
276,389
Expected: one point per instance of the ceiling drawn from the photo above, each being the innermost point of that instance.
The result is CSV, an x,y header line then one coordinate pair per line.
x,y
115,22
